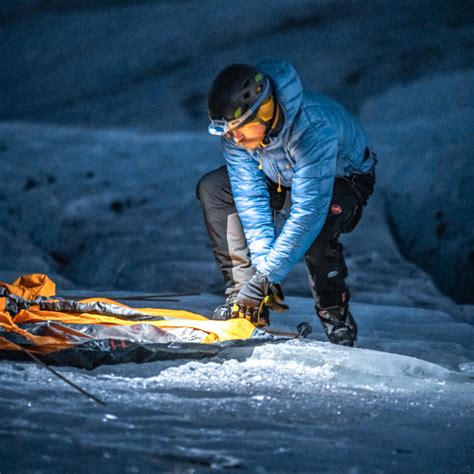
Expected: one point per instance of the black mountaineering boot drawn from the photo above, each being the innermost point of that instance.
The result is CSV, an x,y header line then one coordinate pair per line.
x,y
338,324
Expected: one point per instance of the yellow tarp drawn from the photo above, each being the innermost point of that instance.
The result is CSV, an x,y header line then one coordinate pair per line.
x,y
32,286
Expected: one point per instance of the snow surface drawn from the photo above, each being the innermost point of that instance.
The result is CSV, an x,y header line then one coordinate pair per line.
x,y
300,406
423,134
104,203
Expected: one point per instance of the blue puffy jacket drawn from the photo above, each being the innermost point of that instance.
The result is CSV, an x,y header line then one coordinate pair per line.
x,y
319,141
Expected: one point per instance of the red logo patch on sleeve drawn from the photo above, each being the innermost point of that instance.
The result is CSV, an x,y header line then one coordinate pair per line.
x,y
336,209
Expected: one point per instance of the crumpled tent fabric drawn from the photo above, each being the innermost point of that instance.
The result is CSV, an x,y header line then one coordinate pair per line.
x,y
31,286
97,331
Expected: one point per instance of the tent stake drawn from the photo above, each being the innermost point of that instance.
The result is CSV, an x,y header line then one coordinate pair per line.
x,y
62,377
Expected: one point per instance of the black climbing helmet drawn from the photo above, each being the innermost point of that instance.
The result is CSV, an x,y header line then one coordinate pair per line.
x,y
235,96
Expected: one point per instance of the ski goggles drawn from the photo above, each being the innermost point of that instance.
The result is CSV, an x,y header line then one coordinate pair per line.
x,y
221,127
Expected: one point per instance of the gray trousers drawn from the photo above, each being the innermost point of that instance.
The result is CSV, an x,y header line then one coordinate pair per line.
x,y
324,259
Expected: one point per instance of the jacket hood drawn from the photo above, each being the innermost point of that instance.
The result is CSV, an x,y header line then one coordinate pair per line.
x,y
287,87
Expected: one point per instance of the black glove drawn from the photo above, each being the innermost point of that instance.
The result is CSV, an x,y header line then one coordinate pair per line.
x,y
249,301
275,298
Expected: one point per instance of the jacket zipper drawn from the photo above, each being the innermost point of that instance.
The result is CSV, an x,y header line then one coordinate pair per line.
x,y
260,167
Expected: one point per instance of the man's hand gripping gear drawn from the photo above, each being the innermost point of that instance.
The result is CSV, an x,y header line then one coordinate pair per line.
x,y
256,297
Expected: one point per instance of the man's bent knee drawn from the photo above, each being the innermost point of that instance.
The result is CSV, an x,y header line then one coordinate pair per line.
x,y
213,183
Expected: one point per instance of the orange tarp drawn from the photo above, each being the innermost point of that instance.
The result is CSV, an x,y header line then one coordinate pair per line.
x,y
33,286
